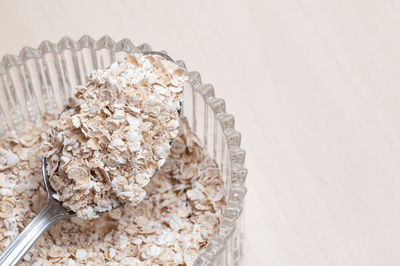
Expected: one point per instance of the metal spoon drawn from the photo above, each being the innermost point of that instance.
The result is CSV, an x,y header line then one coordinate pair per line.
x,y
52,212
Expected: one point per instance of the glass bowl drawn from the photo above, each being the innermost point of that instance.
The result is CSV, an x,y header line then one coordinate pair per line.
x,y
40,80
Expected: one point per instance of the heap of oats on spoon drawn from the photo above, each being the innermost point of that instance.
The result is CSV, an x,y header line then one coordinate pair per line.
x,y
117,132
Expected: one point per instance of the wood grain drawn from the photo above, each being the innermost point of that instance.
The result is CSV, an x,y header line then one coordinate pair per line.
x,y
314,87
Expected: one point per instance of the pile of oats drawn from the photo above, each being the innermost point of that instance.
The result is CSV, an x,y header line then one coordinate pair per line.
x,y
171,226
103,151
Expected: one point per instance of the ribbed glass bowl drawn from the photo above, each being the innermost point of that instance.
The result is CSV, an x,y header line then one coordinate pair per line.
x,y
40,80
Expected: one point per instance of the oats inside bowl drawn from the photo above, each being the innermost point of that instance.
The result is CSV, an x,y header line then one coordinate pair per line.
x,y
171,226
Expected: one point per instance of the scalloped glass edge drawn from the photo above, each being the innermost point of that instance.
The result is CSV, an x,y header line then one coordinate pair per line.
x,y
236,194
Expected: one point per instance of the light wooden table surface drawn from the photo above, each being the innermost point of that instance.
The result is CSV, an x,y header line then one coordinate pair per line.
x,y
314,87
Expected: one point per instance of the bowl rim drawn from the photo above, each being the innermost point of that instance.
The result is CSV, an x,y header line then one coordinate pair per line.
x,y
237,189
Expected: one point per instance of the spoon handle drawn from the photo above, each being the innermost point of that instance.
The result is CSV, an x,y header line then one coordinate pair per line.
x,y
50,214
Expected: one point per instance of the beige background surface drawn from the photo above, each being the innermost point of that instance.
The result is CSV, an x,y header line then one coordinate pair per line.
x,y
314,87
